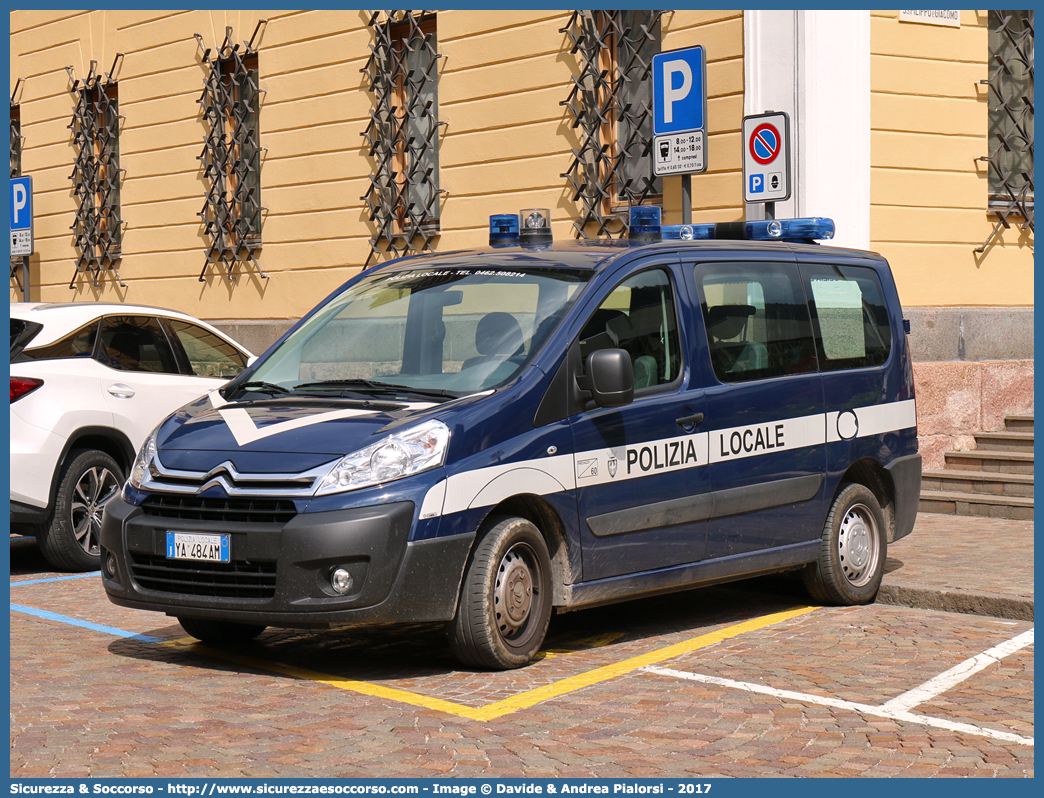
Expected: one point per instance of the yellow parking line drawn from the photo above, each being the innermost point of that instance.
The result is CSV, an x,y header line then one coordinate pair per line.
x,y
508,705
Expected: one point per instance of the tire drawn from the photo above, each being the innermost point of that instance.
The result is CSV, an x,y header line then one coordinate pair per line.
x,y
212,631
852,554
505,601
87,481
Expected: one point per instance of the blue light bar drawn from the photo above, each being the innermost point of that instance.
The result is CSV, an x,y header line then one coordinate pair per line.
x,y
808,229
687,232
643,223
503,230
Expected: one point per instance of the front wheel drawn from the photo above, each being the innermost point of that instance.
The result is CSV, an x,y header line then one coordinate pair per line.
x,y
88,480
852,552
212,631
505,601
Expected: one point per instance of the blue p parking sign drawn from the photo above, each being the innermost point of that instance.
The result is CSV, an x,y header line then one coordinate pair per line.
x,y
21,216
679,91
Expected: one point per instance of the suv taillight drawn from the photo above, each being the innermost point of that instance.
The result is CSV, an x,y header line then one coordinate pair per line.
x,y
20,386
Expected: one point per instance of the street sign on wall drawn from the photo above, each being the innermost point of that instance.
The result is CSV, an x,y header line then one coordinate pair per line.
x,y
21,216
680,111
766,157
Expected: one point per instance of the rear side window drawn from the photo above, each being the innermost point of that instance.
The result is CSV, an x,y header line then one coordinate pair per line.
x,y
208,355
136,343
757,320
76,344
22,332
849,316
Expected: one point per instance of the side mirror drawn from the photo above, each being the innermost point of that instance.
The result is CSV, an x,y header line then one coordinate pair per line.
x,y
610,377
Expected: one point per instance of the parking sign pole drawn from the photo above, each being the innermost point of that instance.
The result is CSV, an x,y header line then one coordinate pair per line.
x,y
25,278
686,199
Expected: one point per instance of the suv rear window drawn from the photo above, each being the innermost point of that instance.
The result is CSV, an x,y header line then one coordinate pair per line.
x,y
22,332
76,344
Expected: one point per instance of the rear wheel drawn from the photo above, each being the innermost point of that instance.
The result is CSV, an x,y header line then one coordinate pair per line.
x,y
213,631
852,552
88,480
505,602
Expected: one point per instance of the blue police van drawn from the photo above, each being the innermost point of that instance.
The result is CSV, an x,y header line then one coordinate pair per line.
x,y
479,438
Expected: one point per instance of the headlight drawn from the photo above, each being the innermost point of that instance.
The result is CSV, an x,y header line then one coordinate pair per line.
x,y
140,469
400,455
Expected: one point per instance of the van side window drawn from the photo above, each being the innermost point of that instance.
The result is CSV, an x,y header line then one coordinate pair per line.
x,y
849,316
639,317
756,319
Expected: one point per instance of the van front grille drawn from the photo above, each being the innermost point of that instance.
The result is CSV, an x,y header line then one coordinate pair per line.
x,y
198,508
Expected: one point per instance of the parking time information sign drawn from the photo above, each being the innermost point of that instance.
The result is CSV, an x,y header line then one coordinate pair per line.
x,y
680,112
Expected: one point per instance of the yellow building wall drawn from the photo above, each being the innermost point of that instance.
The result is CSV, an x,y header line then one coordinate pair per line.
x,y
929,120
505,143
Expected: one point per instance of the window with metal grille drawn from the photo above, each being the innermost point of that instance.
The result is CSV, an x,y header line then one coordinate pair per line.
x,y
95,126
402,136
16,141
1010,118
16,171
611,108
231,157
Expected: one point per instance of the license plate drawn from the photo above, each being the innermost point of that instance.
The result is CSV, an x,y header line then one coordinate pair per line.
x,y
194,546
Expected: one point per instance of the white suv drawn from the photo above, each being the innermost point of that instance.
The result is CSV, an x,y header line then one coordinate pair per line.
x,y
88,383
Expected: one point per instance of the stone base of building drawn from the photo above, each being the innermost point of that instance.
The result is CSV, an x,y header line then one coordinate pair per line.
x,y
956,399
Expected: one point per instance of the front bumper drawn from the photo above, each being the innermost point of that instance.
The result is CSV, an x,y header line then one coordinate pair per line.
x,y
279,571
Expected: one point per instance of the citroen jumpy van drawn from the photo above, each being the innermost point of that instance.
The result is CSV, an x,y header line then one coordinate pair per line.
x,y
478,438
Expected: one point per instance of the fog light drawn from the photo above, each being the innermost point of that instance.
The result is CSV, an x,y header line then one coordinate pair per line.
x,y
341,582
110,566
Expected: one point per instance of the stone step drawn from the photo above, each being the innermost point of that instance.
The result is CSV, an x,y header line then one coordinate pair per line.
x,y
1023,423
979,482
972,504
996,462
1004,441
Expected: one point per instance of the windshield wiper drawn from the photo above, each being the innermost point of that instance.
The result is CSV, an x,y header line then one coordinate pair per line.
x,y
266,386
376,387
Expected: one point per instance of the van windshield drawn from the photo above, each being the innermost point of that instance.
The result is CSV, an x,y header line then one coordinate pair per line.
x,y
446,331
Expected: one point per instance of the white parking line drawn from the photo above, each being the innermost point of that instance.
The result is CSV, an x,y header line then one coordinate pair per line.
x,y
958,673
898,708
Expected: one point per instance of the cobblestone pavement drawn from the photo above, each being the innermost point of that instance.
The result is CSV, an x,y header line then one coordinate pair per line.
x,y
742,680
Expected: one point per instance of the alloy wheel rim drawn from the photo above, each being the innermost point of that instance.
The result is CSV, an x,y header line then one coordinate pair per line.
x,y
93,489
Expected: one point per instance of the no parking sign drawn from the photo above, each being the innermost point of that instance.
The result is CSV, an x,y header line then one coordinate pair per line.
x,y
766,157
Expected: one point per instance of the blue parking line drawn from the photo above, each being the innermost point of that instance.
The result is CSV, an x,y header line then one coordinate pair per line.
x,y
53,579
109,630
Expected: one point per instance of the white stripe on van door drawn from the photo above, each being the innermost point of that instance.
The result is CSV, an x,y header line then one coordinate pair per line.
x,y
485,487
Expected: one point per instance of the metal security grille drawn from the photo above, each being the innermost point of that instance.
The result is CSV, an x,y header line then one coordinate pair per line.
x,y
16,141
231,157
611,106
96,175
16,171
402,135
1011,119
